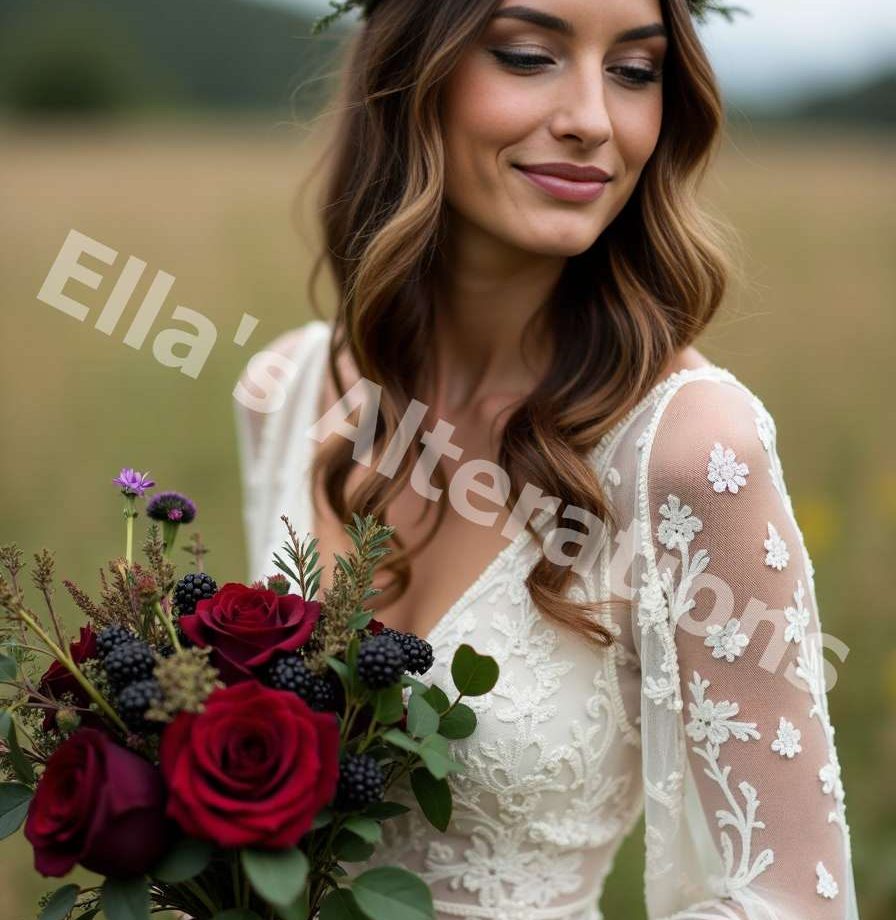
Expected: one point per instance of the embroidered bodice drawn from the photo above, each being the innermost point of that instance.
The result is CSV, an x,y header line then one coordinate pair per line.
x,y
709,712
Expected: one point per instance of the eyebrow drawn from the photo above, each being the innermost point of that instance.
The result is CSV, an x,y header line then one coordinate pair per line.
x,y
565,27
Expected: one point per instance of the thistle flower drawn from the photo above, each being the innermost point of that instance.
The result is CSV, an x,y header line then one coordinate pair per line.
x,y
171,506
133,484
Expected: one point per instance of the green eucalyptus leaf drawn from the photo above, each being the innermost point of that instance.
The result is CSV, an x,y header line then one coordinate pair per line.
x,y
237,913
20,764
436,756
365,828
437,698
14,801
459,723
125,899
423,720
8,668
340,904
322,819
277,875
61,902
390,893
359,620
5,723
383,810
434,796
389,705
400,739
185,860
347,847
473,674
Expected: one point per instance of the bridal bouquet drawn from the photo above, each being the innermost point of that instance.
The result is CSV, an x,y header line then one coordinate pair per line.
x,y
221,751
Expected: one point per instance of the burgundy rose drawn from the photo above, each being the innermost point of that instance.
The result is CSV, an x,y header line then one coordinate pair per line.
x,y
99,805
375,626
252,769
57,679
245,626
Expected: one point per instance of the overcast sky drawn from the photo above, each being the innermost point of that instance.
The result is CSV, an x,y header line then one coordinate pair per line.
x,y
787,46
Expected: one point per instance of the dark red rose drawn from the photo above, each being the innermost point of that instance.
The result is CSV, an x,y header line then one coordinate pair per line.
x,y
57,679
99,805
253,769
376,627
245,626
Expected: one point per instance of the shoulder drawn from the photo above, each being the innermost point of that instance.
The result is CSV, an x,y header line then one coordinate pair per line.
x,y
707,425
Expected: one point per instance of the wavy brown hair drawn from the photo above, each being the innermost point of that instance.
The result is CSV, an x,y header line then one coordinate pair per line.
x,y
645,289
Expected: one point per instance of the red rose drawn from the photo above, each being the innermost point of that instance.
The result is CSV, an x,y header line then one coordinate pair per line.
x,y
99,805
245,626
57,679
253,769
375,626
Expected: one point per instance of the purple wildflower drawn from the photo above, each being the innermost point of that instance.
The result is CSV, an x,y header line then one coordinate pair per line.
x,y
133,483
171,506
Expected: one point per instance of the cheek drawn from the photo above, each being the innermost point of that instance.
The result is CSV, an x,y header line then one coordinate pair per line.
x,y
482,116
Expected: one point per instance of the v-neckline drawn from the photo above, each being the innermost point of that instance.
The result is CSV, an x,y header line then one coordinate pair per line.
x,y
319,348
475,588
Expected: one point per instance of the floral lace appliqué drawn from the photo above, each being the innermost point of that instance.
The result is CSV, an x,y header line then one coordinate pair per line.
x,y
777,555
725,641
787,744
723,470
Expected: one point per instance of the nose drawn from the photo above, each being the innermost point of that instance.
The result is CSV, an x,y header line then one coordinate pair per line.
x,y
581,111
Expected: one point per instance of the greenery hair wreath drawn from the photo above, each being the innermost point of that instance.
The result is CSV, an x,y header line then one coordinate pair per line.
x,y
701,10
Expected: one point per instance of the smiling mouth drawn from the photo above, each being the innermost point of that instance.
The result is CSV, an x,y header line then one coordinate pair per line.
x,y
564,189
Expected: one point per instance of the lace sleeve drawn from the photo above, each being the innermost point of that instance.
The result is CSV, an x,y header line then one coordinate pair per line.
x,y
744,806
261,405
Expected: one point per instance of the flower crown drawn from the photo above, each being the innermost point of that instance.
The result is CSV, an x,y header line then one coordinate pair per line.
x,y
700,10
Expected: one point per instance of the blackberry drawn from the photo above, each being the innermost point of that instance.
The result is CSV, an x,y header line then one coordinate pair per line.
x,y
361,783
135,699
191,589
288,672
380,662
418,656
128,663
111,636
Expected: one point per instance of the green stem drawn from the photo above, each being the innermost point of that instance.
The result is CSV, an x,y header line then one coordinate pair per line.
x,y
192,887
165,620
69,663
130,513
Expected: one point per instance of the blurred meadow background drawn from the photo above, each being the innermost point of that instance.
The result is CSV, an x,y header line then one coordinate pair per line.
x,y
178,133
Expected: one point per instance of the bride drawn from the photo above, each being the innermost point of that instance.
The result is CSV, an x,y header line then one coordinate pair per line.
x,y
509,213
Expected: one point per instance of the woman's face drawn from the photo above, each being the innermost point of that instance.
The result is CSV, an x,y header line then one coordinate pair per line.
x,y
578,93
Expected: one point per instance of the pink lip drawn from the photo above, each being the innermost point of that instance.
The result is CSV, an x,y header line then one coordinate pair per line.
x,y
564,189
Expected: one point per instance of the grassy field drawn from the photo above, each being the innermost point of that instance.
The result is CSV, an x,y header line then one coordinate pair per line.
x,y
812,334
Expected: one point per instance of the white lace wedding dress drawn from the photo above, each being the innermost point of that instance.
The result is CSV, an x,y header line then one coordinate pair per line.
x,y
710,712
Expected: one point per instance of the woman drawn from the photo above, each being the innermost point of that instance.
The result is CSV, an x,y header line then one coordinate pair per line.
x,y
543,329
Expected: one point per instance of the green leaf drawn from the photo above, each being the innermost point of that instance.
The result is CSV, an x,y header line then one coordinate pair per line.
x,y
459,723
349,848
277,875
390,893
436,756
473,674
185,860
423,720
298,910
61,903
365,828
389,705
418,685
351,652
8,668
359,620
89,914
400,739
237,913
384,810
14,801
125,899
434,796
5,723
322,819
18,761
340,904
437,698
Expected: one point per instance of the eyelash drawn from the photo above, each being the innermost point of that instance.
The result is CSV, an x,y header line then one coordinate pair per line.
x,y
531,62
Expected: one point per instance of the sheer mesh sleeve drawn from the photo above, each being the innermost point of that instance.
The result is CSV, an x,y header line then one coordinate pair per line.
x,y
263,402
744,806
